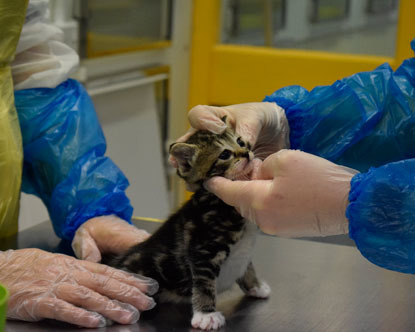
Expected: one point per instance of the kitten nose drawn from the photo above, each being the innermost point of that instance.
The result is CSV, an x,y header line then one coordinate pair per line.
x,y
246,155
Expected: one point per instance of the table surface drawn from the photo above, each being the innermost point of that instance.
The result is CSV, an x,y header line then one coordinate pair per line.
x,y
315,287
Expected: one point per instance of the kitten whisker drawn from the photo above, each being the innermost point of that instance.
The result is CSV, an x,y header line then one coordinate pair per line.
x,y
262,151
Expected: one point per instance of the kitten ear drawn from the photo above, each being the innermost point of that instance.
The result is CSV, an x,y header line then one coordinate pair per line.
x,y
224,119
184,154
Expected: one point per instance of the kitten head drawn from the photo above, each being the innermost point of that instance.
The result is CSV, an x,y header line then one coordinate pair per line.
x,y
206,154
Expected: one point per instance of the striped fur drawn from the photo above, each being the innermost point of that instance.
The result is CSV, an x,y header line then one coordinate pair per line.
x,y
206,245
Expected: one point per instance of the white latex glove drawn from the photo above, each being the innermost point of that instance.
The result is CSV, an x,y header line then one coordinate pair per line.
x,y
46,285
263,125
293,194
105,234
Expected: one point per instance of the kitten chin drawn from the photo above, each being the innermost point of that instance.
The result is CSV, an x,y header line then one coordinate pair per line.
x,y
241,171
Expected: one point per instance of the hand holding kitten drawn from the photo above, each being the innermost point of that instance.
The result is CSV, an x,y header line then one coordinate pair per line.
x,y
291,194
262,124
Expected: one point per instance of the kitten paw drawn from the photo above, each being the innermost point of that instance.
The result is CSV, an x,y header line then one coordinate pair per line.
x,y
208,321
263,291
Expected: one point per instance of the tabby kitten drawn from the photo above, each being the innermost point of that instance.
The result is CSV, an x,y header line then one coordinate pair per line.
x,y
205,246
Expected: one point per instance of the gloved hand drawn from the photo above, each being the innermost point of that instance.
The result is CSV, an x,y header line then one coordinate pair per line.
x,y
293,194
105,234
263,125
46,285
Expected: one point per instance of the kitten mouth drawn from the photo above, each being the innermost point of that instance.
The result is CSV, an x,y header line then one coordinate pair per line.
x,y
242,170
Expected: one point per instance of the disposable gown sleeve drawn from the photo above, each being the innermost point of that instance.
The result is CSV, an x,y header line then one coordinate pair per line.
x,y
367,122
381,215
367,119
64,161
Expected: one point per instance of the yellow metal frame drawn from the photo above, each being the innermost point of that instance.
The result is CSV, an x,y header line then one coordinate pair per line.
x,y
229,74
101,45
147,219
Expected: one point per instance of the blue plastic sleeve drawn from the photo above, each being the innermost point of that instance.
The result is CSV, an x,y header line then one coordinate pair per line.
x,y
367,119
382,215
64,162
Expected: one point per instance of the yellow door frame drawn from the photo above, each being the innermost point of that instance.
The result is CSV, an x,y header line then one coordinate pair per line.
x,y
229,74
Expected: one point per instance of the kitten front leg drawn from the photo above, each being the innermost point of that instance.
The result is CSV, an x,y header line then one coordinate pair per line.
x,y
251,286
205,272
208,321
204,304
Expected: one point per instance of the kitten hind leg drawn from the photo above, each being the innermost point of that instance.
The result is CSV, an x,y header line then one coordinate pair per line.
x,y
251,286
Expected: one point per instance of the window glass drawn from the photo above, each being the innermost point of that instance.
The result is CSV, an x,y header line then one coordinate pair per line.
x,y
117,26
340,26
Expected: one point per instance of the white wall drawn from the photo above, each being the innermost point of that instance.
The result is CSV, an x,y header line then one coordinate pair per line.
x,y
130,123
32,211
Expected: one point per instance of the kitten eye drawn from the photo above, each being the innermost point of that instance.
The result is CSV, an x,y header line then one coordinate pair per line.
x,y
240,142
225,154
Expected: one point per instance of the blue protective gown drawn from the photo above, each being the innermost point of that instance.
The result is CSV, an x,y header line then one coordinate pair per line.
x,y
367,122
64,162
